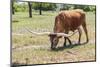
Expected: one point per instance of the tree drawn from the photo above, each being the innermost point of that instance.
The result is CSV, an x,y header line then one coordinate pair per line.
x,y
43,7
40,10
30,9
65,7
84,7
12,5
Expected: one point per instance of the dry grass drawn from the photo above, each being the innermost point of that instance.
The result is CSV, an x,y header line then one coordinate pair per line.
x,y
41,53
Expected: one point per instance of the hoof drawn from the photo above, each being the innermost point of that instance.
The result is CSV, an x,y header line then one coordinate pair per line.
x,y
52,48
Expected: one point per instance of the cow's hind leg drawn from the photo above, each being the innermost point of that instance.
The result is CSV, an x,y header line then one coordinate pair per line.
x,y
80,33
85,30
65,41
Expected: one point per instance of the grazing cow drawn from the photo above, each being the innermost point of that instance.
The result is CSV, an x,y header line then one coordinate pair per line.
x,y
67,21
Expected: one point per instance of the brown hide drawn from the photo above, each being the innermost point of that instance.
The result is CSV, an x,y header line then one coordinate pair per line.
x,y
67,21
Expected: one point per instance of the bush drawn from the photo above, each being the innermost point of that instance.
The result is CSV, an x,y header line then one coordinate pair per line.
x,y
86,8
44,6
20,7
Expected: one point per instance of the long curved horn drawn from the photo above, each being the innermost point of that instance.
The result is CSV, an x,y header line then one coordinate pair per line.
x,y
49,33
64,35
35,33
68,35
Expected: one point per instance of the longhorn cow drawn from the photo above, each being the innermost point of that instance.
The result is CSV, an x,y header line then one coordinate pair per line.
x,y
65,22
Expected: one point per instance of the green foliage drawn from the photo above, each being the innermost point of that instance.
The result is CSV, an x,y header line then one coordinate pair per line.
x,y
93,8
66,7
50,6
85,7
44,6
20,7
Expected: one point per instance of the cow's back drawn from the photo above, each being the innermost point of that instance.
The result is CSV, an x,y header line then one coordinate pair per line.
x,y
71,20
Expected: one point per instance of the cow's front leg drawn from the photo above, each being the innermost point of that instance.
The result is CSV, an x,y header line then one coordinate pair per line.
x,y
68,41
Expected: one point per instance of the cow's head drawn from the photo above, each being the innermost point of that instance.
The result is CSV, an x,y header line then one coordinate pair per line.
x,y
54,39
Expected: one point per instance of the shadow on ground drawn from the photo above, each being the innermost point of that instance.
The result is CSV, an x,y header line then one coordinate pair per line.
x,y
69,46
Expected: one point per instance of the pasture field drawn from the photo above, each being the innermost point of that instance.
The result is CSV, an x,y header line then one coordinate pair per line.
x,y
29,49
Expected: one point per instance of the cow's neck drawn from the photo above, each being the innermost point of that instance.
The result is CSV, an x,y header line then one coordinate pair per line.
x,y
59,30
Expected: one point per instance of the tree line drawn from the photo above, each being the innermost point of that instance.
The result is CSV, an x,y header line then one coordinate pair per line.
x,y
33,6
